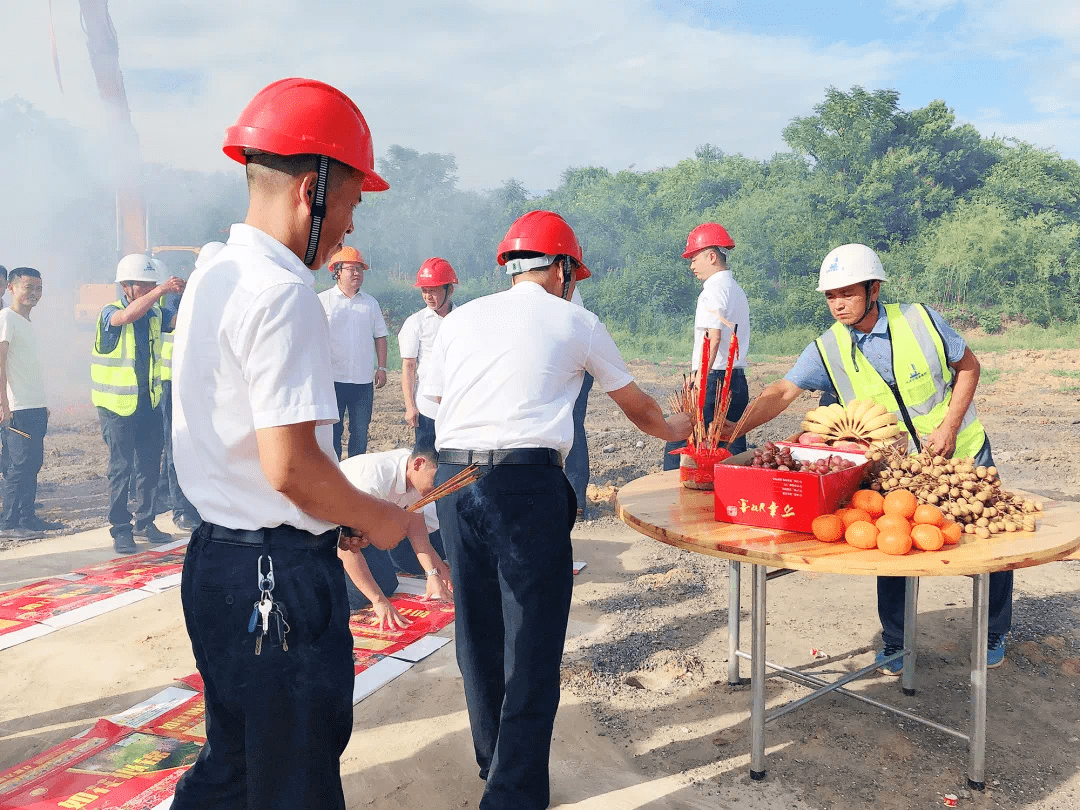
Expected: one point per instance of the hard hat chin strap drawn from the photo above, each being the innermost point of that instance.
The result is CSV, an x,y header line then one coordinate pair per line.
x,y
318,209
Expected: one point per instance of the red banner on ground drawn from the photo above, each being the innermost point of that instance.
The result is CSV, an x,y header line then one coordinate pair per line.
x,y
186,722
52,761
372,643
11,625
136,570
51,597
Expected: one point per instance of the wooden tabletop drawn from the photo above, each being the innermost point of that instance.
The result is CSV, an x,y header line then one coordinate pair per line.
x,y
659,507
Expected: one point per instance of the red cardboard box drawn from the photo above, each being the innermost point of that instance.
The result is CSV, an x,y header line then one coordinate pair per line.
x,y
774,499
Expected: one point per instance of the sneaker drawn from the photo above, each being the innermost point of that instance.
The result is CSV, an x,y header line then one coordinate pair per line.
x,y
153,534
36,524
893,667
19,533
124,544
995,651
184,523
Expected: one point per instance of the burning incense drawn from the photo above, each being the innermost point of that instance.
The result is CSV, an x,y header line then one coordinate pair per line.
x,y
448,487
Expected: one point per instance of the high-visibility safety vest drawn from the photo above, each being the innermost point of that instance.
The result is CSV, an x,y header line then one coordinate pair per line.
x,y
923,390
166,356
113,384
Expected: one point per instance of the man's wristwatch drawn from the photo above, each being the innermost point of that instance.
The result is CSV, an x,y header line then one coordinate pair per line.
x,y
434,572
382,368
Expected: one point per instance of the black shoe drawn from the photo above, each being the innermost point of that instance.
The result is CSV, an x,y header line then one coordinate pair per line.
x,y
153,534
124,544
184,523
19,533
36,524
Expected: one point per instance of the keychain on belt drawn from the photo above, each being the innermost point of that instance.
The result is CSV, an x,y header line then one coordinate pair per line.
x,y
268,616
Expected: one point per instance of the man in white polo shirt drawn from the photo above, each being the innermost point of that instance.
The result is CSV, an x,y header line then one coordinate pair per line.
x,y
436,280
507,369
357,333
263,589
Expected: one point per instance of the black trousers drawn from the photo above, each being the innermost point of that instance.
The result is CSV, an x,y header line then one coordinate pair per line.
x,y
276,723
356,399
23,458
508,542
168,485
891,591
134,444
424,431
740,399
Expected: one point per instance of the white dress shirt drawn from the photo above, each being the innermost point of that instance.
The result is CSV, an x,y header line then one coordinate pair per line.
x,y
25,382
416,340
722,299
509,366
383,475
252,351
355,323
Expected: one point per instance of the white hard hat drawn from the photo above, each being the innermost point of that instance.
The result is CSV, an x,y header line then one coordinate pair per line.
x,y
136,267
849,264
161,268
208,252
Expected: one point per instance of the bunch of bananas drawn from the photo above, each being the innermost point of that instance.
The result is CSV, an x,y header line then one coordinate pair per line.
x,y
862,420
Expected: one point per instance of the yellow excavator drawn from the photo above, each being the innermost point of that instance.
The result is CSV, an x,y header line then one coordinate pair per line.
x,y
132,224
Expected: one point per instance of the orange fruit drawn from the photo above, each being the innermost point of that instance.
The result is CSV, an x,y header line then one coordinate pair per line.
x,y
928,513
900,502
894,542
862,534
854,515
952,532
843,510
828,528
887,522
927,537
869,501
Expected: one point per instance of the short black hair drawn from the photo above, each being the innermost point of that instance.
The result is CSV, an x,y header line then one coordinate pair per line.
x,y
425,451
20,272
3,272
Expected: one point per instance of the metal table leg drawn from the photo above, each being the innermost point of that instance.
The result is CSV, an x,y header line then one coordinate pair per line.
x,y
911,613
734,596
757,677
980,622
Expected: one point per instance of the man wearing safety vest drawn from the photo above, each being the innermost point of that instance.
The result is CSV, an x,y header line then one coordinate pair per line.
x,y
125,373
906,357
435,279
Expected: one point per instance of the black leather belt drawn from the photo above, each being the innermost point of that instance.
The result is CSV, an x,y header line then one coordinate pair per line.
x,y
277,537
489,458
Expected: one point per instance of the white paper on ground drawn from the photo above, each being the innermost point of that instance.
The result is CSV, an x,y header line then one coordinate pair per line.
x,y
72,577
163,583
153,707
421,648
414,586
81,614
171,546
165,805
25,634
579,565
376,676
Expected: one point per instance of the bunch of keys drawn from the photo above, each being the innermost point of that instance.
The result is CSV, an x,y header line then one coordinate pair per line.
x,y
268,616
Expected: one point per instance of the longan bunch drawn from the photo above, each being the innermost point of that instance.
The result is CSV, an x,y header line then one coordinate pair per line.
x,y
970,495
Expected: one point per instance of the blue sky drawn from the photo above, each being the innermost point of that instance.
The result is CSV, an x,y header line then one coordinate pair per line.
x,y
526,90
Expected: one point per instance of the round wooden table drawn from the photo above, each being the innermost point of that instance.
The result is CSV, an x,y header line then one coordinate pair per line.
x,y
659,507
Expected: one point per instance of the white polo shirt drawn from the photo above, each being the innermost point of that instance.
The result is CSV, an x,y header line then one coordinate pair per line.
x,y
509,366
383,476
355,323
416,340
25,383
251,352
721,297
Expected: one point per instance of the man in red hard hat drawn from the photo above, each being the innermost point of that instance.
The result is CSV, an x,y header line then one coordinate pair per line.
x,y
263,589
722,310
507,369
357,337
435,280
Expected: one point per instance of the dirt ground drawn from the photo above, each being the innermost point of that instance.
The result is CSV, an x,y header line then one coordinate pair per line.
x,y
648,719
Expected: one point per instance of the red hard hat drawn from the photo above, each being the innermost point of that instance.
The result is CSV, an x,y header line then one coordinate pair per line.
x,y
305,117
346,254
543,232
435,272
706,236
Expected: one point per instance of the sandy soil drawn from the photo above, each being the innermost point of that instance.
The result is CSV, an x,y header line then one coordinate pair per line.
x,y
648,719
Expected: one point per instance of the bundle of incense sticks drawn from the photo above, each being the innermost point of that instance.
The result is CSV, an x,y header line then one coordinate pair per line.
x,y
448,487
688,400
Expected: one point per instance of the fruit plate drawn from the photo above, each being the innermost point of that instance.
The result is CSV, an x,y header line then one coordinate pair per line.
x,y
902,441
779,499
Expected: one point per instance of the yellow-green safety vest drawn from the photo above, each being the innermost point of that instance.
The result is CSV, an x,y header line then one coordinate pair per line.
x,y
923,390
166,356
113,384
